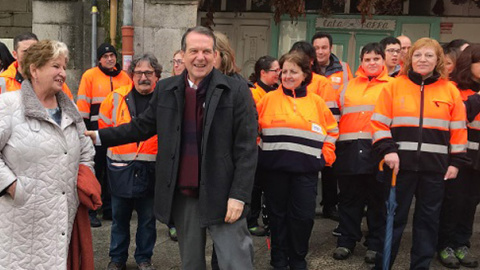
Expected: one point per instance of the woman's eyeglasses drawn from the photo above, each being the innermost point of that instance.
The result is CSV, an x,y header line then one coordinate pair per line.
x,y
177,61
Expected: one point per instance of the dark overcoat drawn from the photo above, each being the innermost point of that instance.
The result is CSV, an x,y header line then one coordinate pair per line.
x,y
228,148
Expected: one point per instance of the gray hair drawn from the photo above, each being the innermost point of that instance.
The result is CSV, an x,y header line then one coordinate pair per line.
x,y
200,30
151,59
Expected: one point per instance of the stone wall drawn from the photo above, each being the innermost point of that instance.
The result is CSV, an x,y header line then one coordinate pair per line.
x,y
159,26
68,21
15,17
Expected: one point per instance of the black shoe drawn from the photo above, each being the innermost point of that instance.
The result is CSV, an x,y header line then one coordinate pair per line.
x,y
336,232
257,231
341,253
95,222
331,212
116,266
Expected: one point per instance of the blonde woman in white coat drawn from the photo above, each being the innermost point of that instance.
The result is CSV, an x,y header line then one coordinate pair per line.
x,y
41,147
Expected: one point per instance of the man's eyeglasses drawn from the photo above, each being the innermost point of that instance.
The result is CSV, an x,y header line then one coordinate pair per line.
x,y
392,51
177,61
275,70
147,74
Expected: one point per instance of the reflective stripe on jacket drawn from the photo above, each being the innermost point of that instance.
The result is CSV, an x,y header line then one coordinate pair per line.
x,y
94,87
321,86
354,144
114,111
298,132
422,120
9,83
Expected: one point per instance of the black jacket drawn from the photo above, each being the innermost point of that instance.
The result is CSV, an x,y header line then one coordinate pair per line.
x,y
228,150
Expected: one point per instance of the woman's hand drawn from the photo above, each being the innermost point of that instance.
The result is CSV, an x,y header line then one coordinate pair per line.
x,y
451,173
11,189
393,162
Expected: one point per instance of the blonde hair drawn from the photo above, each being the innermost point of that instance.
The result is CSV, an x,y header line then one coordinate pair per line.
x,y
227,55
40,53
426,42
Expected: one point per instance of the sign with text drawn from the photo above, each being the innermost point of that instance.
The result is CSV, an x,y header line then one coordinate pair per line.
x,y
336,23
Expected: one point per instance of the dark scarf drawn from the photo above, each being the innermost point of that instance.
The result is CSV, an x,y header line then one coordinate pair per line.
x,y
112,73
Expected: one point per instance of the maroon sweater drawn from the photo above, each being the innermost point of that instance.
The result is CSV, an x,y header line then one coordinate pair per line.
x,y
191,137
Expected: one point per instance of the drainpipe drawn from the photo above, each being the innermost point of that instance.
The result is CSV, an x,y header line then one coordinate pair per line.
x,y
127,34
94,32
113,21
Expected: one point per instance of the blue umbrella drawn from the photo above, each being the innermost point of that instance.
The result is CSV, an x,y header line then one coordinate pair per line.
x,y
391,206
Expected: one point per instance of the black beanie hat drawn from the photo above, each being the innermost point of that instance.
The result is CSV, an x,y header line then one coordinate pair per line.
x,y
105,48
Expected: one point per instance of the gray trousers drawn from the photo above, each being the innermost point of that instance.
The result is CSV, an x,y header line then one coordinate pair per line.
x,y
233,242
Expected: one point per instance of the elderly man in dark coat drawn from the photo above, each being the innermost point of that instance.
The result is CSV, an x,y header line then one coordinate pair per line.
x,y
206,126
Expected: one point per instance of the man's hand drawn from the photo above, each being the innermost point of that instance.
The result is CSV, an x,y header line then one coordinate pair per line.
x,y
11,189
393,162
451,173
234,210
92,135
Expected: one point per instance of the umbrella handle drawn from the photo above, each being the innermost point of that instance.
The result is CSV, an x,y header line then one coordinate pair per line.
x,y
394,176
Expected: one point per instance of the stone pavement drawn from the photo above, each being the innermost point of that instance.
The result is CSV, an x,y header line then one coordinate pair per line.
x,y
322,244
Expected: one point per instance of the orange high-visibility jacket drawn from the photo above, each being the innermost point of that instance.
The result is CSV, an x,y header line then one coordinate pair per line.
x,y
321,86
297,130
472,104
354,145
8,81
422,120
257,92
115,110
94,87
339,74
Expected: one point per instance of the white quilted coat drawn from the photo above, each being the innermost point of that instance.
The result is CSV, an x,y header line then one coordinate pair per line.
x,y
43,157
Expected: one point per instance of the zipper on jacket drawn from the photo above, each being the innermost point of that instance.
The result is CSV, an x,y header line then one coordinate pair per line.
x,y
294,101
420,124
111,84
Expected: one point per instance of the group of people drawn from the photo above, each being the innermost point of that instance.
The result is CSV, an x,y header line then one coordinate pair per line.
x,y
197,150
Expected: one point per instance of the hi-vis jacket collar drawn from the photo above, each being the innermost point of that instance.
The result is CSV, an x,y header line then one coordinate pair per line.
x,y
417,78
300,91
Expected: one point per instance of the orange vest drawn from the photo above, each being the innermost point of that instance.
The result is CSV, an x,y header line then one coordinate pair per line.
x,y
94,87
357,103
321,86
114,112
257,93
354,145
340,79
298,133
425,120
8,82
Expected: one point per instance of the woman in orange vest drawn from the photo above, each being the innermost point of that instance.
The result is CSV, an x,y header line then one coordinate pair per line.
x,y
463,193
322,86
265,77
298,134
355,164
419,129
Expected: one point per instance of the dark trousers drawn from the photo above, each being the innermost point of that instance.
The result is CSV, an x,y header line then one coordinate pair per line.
x,y
291,206
146,235
329,188
428,189
356,192
256,202
462,196
101,174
